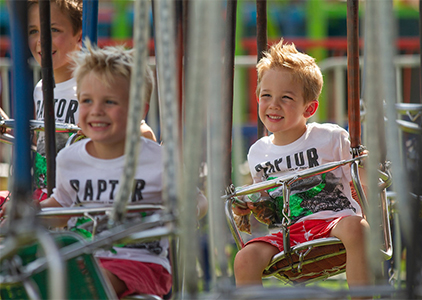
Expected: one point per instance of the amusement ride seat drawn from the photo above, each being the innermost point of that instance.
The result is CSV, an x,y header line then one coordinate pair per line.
x,y
315,259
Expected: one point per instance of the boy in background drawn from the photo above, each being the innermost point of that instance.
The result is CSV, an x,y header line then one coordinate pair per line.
x,y
66,37
289,84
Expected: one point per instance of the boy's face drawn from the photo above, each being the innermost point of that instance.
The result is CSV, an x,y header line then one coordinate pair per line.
x,y
282,107
103,111
64,40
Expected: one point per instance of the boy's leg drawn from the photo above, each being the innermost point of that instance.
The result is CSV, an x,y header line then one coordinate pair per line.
x,y
118,285
251,261
351,231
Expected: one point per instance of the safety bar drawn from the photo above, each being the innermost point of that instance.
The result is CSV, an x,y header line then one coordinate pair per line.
x,y
409,108
37,125
409,127
93,210
413,111
291,177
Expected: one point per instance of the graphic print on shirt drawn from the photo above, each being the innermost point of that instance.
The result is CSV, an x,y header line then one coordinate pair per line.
x,y
64,110
300,160
307,196
100,189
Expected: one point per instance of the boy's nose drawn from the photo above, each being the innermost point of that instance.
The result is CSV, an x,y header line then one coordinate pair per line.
x,y
274,103
97,109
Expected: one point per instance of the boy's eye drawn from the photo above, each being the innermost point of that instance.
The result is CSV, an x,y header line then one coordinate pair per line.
x,y
54,30
265,95
32,31
86,101
287,98
112,102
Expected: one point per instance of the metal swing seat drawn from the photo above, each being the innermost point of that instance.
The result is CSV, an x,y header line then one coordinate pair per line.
x,y
413,111
23,259
27,261
317,259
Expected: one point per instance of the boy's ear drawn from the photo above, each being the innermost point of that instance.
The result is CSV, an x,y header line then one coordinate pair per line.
x,y
80,38
311,108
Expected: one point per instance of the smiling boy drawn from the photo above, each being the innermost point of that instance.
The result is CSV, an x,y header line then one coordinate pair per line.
x,y
89,171
289,84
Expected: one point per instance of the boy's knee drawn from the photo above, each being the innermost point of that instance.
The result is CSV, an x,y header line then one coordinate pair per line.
x,y
242,257
256,254
359,225
350,228
356,228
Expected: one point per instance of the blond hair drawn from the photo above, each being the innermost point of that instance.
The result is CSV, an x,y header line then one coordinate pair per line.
x,y
107,63
71,8
302,66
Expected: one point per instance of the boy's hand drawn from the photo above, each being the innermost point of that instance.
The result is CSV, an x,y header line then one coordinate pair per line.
x,y
240,211
363,151
3,209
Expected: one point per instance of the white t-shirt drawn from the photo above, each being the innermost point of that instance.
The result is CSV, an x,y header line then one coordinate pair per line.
x,y
83,178
66,102
319,197
66,110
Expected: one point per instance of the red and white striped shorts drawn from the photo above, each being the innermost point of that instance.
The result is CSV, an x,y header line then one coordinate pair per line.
x,y
300,232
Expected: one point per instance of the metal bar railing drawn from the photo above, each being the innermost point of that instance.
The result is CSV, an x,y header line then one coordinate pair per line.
x,y
136,108
353,74
261,42
48,94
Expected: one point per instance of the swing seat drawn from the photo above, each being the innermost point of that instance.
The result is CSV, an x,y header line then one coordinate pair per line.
x,y
86,280
412,111
317,259
309,261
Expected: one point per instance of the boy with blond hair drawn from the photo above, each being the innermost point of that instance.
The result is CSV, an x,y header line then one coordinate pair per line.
x,y
289,84
89,171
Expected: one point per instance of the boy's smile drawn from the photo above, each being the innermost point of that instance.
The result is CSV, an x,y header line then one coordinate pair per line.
x,y
103,114
63,40
282,107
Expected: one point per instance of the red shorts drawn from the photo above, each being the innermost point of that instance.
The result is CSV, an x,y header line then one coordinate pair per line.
x,y
139,277
300,232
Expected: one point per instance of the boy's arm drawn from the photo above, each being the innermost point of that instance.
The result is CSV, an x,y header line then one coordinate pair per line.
x,y
147,131
52,221
3,114
50,202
